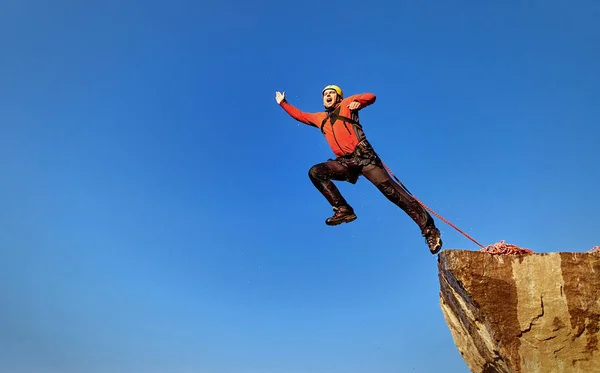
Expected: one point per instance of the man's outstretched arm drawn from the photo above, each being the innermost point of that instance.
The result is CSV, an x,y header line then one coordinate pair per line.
x,y
299,115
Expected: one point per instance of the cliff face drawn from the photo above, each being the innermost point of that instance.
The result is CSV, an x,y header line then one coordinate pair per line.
x,y
532,313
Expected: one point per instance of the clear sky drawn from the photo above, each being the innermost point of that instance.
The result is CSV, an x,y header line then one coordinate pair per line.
x,y
157,214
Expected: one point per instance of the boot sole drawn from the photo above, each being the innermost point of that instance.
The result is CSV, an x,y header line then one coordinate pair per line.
x,y
437,248
347,219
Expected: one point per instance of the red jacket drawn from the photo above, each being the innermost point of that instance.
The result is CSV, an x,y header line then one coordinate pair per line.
x,y
343,133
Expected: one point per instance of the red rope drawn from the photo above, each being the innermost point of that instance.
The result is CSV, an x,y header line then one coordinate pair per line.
x,y
499,248
447,222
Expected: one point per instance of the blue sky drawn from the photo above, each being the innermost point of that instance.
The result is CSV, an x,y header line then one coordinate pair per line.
x,y
156,210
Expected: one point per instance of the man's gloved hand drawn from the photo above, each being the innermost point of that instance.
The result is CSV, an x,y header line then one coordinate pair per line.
x,y
354,105
279,97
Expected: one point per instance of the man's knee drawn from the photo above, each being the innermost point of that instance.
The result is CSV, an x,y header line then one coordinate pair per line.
x,y
318,172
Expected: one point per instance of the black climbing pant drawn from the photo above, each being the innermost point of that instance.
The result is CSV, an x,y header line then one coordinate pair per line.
x,y
364,161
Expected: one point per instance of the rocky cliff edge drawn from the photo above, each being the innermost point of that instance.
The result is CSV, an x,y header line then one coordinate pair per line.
x,y
529,313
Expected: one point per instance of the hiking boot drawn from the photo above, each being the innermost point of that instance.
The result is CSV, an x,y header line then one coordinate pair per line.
x,y
343,214
433,239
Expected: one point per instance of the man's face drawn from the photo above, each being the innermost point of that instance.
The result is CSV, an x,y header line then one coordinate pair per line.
x,y
330,98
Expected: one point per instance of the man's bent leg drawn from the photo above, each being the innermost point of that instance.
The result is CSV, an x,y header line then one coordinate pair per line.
x,y
321,176
396,194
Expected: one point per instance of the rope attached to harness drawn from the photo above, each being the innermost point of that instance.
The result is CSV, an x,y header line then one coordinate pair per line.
x,y
499,248
427,208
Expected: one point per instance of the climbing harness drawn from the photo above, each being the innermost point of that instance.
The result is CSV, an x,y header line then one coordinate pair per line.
x,y
335,115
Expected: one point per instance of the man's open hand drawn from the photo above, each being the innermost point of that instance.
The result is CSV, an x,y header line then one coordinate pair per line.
x,y
279,97
354,105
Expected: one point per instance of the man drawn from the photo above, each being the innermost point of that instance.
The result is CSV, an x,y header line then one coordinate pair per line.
x,y
355,156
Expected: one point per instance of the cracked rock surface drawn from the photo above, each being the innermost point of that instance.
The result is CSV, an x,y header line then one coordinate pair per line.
x,y
535,313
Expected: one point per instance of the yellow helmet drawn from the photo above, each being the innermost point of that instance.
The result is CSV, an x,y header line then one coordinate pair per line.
x,y
335,88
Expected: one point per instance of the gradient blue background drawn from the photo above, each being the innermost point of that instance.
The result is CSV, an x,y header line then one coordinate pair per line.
x,y
156,214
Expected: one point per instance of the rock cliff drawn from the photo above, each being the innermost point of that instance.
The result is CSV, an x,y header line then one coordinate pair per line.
x,y
531,313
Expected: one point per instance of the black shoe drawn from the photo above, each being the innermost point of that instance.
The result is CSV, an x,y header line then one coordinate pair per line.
x,y
343,214
433,239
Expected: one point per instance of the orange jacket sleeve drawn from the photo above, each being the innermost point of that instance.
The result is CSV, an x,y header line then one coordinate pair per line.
x,y
365,99
307,118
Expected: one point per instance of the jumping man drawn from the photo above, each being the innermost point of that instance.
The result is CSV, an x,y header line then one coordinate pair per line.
x,y
355,156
